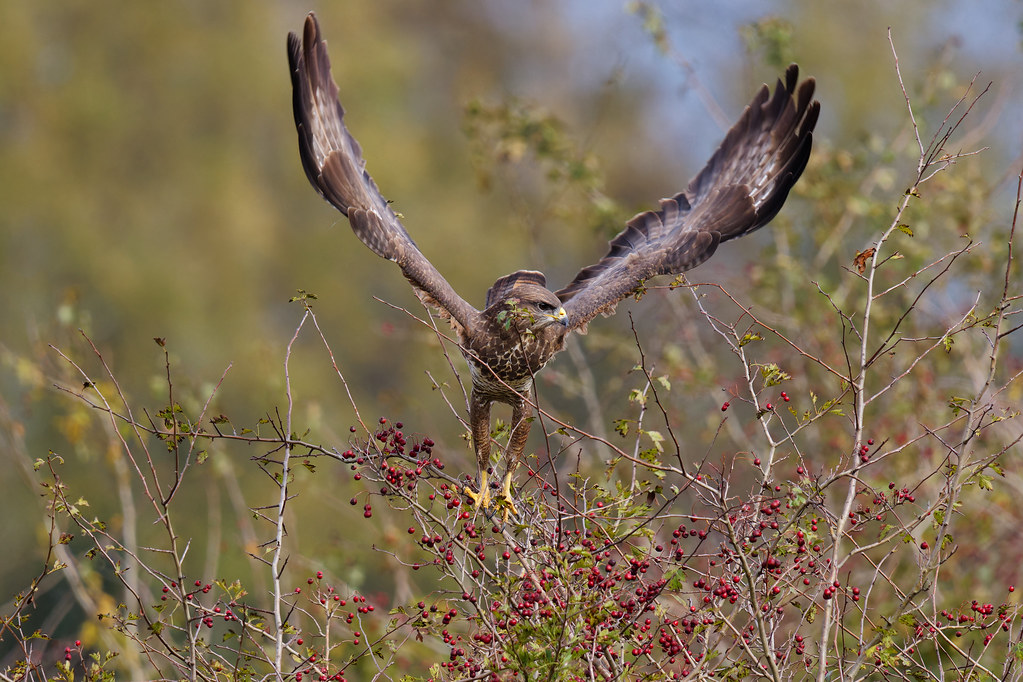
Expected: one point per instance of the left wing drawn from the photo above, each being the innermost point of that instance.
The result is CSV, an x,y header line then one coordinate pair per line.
x,y
333,162
742,187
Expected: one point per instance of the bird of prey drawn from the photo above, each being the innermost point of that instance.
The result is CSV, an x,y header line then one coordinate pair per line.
x,y
523,324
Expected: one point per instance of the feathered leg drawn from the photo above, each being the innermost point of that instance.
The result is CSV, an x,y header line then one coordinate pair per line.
x,y
479,425
516,444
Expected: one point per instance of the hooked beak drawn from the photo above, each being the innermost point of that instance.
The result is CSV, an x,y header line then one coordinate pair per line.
x,y
561,317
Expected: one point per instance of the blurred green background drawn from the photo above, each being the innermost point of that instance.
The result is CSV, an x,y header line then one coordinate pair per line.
x,y
150,186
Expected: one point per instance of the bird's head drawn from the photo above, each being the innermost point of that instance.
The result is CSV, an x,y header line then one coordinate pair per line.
x,y
523,299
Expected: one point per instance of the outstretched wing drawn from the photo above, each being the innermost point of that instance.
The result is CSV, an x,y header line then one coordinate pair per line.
x,y
741,188
333,162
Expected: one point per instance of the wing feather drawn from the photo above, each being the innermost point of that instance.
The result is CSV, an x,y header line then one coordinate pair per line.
x,y
741,188
333,162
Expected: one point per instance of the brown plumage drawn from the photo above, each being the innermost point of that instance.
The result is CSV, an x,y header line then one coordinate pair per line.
x,y
523,324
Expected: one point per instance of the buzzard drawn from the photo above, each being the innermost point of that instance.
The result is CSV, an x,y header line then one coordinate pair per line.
x,y
523,323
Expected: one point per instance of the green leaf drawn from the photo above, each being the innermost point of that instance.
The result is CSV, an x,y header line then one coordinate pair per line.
x,y
957,404
649,455
773,375
637,396
905,229
748,337
656,438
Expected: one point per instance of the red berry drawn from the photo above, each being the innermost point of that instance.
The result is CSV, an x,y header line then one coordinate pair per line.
x,y
924,545
724,407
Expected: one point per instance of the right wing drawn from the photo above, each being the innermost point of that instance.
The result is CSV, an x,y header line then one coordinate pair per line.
x,y
333,162
742,187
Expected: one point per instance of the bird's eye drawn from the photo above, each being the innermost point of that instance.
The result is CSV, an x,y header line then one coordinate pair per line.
x,y
545,307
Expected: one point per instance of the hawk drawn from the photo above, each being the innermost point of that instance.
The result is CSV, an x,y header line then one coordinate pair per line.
x,y
523,324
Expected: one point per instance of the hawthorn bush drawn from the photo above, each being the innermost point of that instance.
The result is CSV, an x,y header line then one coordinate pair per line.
x,y
822,489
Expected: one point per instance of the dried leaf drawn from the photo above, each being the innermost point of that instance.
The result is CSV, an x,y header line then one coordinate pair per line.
x,y
860,261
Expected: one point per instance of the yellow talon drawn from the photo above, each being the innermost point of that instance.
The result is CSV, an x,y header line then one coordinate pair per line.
x,y
482,498
507,499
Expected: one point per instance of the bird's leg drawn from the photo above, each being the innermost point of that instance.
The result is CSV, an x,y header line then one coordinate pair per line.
x,y
479,423
516,444
506,495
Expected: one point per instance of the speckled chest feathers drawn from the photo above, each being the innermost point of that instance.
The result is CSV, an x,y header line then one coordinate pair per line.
x,y
523,326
